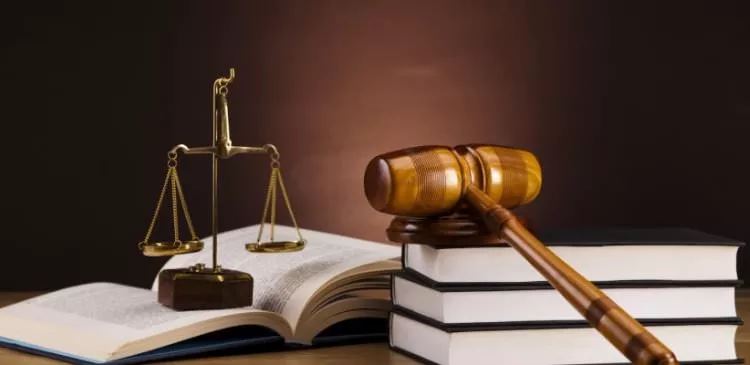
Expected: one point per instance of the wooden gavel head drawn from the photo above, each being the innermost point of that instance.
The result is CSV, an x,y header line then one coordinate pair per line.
x,y
432,180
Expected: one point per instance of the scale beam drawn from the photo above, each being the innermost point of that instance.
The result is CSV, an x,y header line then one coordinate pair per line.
x,y
234,150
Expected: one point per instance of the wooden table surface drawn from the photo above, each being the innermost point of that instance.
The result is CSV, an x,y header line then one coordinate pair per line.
x,y
368,354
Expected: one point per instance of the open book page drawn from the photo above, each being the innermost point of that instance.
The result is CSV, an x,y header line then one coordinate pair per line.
x,y
284,282
103,321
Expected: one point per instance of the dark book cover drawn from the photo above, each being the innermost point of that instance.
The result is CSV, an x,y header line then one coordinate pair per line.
x,y
451,328
606,236
712,362
528,325
418,278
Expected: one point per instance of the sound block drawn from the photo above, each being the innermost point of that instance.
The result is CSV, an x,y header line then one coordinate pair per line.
x,y
457,230
198,287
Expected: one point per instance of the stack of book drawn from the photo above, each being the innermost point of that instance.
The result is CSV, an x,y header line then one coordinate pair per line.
x,y
487,305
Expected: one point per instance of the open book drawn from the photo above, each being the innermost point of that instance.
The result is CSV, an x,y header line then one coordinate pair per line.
x,y
335,289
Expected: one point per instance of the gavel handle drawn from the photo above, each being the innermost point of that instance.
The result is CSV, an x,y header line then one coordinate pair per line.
x,y
616,325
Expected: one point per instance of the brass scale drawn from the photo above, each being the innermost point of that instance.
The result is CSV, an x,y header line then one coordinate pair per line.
x,y
198,286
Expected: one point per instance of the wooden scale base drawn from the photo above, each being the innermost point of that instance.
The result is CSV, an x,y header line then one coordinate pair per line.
x,y
199,287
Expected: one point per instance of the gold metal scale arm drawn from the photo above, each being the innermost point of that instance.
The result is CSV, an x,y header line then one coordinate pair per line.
x,y
221,148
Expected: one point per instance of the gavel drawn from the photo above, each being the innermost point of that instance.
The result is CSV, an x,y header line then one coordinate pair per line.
x,y
488,180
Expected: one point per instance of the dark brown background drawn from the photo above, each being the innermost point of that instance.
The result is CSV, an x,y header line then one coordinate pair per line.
x,y
638,112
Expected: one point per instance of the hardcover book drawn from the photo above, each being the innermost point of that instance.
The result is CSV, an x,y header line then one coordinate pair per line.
x,y
335,290
597,254
540,302
488,305
693,341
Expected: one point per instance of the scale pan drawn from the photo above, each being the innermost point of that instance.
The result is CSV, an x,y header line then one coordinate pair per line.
x,y
171,248
276,246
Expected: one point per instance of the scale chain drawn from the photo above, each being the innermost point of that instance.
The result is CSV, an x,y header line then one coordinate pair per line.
x,y
288,204
172,179
273,203
175,220
271,198
158,205
185,210
269,194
